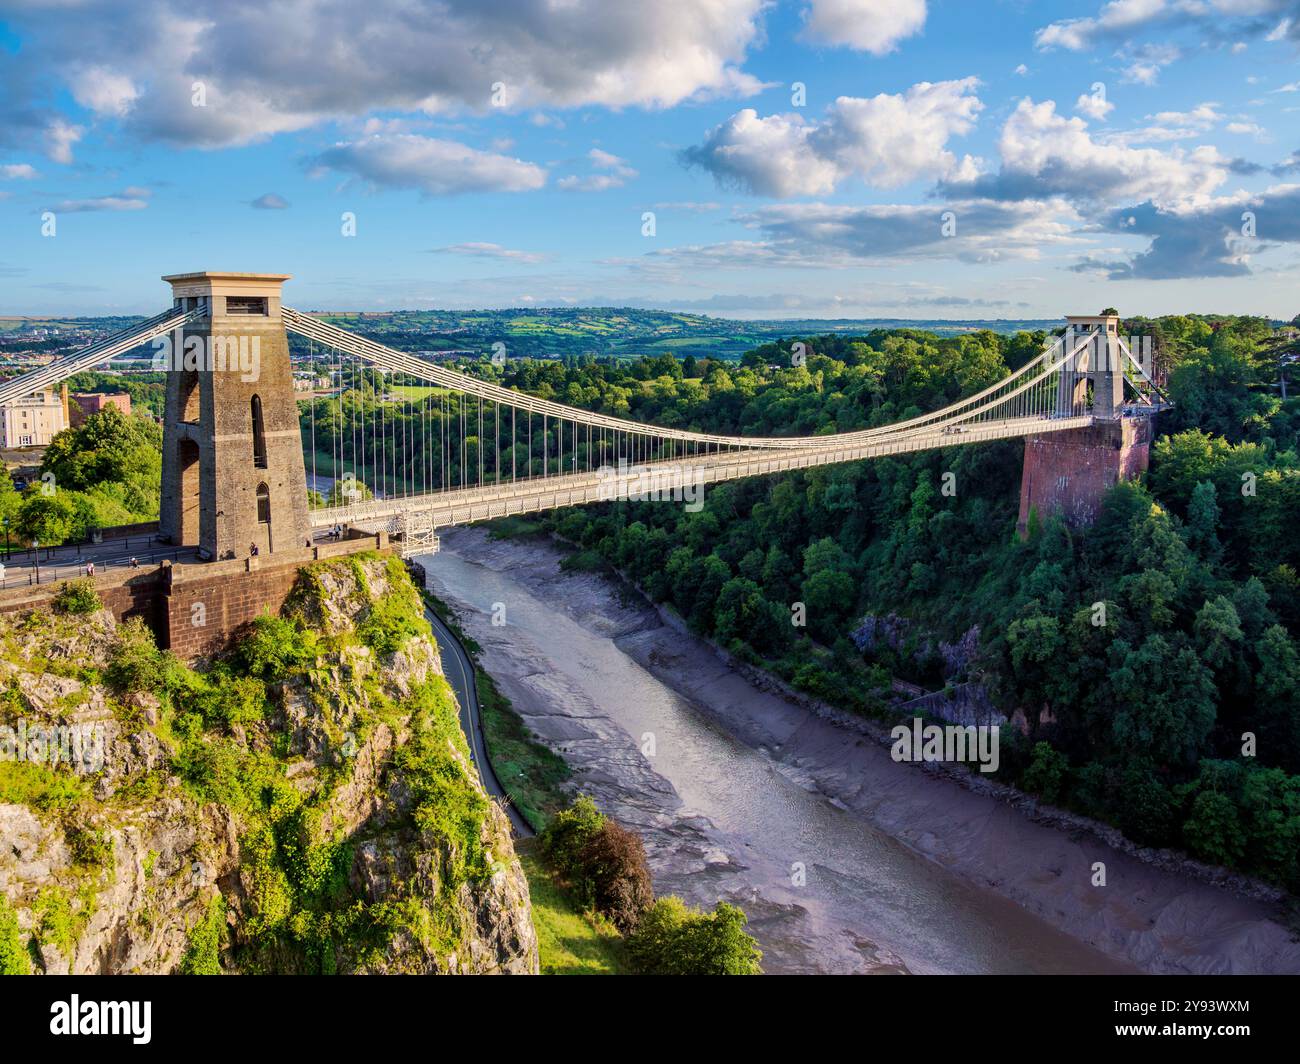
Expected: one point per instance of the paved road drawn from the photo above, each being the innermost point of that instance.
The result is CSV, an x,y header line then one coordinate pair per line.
x,y
459,671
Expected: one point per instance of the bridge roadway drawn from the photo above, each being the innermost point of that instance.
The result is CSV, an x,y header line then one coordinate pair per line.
x,y
461,506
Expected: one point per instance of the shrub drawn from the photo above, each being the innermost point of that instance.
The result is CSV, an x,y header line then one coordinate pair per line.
x,y
77,597
617,878
203,952
275,648
392,620
674,939
224,700
567,836
13,953
137,664
1047,773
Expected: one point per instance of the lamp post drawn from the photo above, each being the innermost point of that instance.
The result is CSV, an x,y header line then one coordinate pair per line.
x,y
36,553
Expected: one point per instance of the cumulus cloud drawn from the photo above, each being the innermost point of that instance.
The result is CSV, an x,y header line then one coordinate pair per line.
x,y
1208,240
432,166
490,251
265,68
874,26
1120,19
886,141
1094,105
18,171
1047,154
270,202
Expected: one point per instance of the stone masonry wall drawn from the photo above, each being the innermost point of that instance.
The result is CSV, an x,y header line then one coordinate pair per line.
x,y
194,610
1068,473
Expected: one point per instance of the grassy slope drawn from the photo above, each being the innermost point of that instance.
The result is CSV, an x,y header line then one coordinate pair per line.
x,y
570,942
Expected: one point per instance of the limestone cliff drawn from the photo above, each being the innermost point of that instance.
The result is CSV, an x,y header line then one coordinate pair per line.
x,y
304,803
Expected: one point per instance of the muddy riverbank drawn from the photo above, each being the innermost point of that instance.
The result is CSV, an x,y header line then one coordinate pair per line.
x,y
844,860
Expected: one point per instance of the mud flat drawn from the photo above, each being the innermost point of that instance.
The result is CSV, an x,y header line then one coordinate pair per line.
x,y
844,860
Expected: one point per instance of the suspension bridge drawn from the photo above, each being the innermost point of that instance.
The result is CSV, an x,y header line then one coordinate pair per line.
x,y
458,448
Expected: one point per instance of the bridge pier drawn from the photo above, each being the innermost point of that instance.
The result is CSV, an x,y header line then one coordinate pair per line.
x,y
1068,473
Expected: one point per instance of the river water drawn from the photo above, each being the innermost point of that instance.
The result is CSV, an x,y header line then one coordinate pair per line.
x,y
724,821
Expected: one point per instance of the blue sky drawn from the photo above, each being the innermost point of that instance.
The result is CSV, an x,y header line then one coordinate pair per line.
x,y
948,159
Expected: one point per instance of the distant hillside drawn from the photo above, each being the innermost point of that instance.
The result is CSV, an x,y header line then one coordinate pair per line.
x,y
556,333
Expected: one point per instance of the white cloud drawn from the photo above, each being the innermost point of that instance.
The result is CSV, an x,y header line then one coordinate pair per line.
x,y
1094,106
616,173
1046,154
1142,63
1170,125
102,90
886,141
60,136
490,251
874,26
1120,19
689,206
18,171
129,199
1201,241
434,167
270,202
273,68
832,236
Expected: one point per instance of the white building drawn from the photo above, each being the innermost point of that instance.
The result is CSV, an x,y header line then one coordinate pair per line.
x,y
33,420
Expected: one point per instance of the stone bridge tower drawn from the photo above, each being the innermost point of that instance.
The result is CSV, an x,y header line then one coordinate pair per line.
x,y
232,470
1068,473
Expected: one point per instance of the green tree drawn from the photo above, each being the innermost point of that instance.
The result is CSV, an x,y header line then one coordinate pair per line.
x,y
674,939
1047,773
830,597
568,834
1213,830
49,520
616,877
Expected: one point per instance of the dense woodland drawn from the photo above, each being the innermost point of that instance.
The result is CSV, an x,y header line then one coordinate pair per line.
x,y
1177,717
1142,719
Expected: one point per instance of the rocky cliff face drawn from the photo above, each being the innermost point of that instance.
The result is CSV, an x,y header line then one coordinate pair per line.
x,y
305,804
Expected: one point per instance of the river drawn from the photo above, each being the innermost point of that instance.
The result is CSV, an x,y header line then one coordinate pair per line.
x,y
843,860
